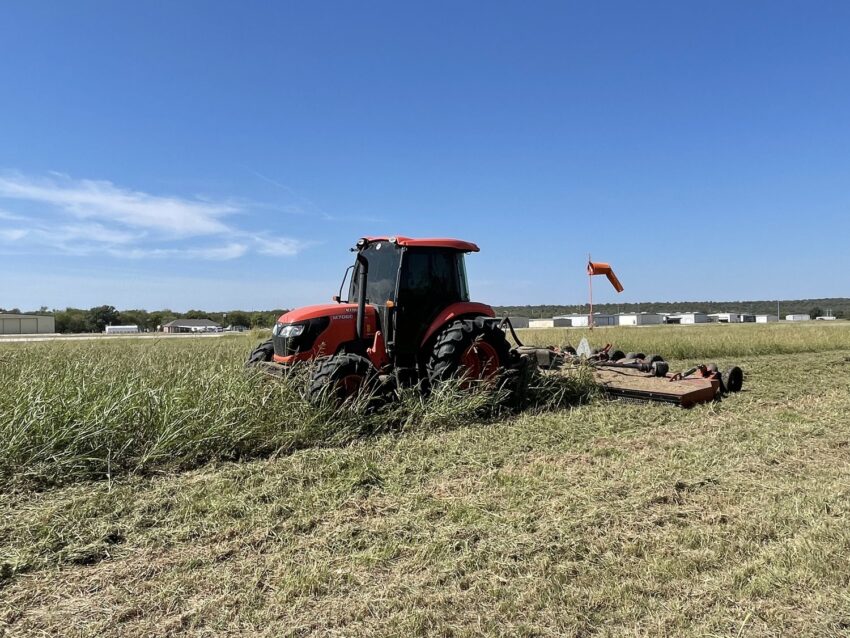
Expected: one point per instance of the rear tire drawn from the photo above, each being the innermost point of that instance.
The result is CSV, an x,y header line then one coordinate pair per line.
x,y
341,377
263,352
476,348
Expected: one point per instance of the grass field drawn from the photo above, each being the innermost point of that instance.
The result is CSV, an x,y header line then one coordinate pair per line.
x,y
154,489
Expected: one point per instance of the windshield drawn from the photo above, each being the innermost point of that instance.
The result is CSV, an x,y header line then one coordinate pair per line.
x,y
383,258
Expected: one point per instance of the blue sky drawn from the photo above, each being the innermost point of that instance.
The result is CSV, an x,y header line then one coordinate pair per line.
x,y
224,155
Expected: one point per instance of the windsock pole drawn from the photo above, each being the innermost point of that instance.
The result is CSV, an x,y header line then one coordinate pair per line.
x,y
599,269
590,288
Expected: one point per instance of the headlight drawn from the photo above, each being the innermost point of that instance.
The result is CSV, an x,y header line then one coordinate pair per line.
x,y
292,330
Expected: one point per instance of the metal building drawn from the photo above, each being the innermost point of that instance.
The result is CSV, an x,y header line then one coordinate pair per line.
x,y
556,322
12,324
581,321
724,317
121,330
687,318
519,322
191,325
766,318
639,319
798,317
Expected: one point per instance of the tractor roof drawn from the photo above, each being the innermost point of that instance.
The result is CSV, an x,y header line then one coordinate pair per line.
x,y
429,242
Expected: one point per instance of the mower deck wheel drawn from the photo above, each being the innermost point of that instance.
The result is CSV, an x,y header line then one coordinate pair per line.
x,y
734,379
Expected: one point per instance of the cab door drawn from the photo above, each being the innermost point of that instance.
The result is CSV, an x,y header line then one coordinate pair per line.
x,y
428,282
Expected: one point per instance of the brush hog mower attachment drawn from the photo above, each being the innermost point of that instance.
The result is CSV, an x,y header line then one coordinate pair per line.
x,y
636,376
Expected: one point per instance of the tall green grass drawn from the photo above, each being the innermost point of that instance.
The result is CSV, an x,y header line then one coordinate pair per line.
x,y
97,409
703,341
101,409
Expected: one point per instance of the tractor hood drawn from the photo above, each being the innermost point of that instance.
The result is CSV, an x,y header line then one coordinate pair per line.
x,y
328,327
333,310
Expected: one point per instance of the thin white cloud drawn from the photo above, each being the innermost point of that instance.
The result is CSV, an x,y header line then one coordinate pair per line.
x,y
306,207
11,216
216,253
97,233
278,246
90,199
12,234
90,217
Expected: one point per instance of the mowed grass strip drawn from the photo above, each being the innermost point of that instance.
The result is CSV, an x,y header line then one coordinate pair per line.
x,y
609,519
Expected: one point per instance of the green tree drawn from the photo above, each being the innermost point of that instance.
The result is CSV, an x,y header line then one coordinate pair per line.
x,y
263,319
815,312
139,318
101,316
237,318
160,317
71,320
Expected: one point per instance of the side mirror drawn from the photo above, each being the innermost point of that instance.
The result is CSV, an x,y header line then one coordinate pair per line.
x,y
336,298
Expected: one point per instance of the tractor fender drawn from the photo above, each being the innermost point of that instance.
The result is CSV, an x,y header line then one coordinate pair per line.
x,y
457,310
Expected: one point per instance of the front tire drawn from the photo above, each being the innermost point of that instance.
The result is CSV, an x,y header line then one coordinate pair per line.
x,y
263,352
475,349
342,377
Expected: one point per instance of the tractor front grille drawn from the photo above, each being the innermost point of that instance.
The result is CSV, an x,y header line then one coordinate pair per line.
x,y
288,346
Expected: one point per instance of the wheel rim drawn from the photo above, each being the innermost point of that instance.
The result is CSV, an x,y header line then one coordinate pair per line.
x,y
479,361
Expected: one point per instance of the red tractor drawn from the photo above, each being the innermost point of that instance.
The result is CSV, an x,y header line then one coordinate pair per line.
x,y
408,318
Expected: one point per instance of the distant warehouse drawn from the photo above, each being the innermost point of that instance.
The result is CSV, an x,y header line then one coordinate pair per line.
x,y
191,325
724,317
581,321
687,318
639,319
557,322
12,324
121,330
798,318
766,318
519,322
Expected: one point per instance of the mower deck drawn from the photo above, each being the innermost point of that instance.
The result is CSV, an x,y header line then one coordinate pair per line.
x,y
635,385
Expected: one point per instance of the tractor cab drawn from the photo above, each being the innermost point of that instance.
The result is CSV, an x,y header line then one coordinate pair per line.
x,y
409,282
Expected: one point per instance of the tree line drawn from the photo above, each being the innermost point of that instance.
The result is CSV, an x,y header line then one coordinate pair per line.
x,y
96,319
75,320
836,306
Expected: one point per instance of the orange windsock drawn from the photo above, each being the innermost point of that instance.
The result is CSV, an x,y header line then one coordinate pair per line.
x,y
598,268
